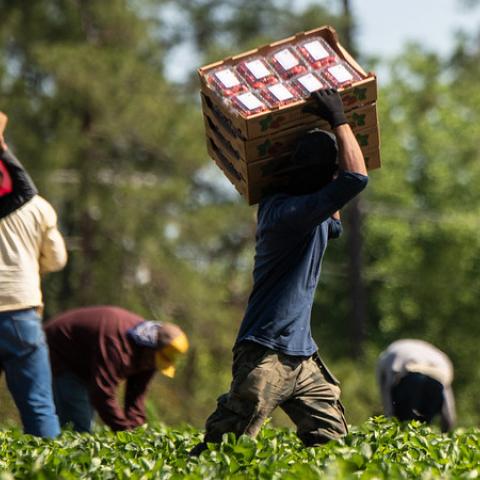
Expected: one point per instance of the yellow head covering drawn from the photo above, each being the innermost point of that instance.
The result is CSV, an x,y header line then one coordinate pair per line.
x,y
166,356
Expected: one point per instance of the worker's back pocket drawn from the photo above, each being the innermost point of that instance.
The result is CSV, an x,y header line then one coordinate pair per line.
x,y
27,326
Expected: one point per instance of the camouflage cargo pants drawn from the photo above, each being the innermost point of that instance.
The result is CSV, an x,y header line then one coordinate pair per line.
x,y
264,379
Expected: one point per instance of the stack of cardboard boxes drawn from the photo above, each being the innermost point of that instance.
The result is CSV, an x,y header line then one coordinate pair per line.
x,y
253,149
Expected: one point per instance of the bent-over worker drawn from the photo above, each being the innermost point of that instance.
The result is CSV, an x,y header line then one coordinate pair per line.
x,y
93,349
415,380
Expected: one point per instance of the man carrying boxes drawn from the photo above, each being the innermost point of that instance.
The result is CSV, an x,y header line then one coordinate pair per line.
x,y
275,357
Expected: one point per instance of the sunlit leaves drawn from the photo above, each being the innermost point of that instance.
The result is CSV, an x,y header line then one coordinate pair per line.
x,y
380,449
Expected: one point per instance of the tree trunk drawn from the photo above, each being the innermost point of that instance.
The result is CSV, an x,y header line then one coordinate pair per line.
x,y
354,220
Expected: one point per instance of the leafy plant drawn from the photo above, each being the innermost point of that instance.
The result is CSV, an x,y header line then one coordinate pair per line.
x,y
379,449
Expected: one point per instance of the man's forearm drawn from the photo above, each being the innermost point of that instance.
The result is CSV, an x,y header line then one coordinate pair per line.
x,y
135,396
110,411
23,188
350,156
23,184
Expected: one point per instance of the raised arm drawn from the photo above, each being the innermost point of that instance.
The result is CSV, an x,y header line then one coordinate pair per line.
x,y
23,188
53,253
308,210
329,106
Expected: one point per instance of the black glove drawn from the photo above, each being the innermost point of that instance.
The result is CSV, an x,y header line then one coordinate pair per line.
x,y
328,105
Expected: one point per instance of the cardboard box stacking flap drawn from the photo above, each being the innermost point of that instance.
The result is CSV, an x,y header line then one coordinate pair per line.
x,y
253,151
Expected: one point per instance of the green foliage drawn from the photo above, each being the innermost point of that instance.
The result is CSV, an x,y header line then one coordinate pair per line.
x,y
118,149
422,213
380,449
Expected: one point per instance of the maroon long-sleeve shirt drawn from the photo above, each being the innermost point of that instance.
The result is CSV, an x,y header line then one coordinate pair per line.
x,y
92,343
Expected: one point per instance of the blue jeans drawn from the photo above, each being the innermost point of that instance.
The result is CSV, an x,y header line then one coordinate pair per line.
x,y
73,402
24,358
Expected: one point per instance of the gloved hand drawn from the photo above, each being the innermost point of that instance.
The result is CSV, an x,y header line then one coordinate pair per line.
x,y
328,105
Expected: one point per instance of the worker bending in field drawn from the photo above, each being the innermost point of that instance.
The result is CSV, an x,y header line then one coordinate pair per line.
x,y
415,380
93,349
30,245
275,359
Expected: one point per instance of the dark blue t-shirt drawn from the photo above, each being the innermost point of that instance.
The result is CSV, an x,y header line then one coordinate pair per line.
x,y
291,238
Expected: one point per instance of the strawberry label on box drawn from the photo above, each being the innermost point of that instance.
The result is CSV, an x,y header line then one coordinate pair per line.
x,y
258,69
317,52
287,63
340,74
248,103
310,82
286,59
257,73
227,78
226,82
279,94
306,84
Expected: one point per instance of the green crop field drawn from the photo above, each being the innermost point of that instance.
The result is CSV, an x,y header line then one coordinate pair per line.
x,y
378,449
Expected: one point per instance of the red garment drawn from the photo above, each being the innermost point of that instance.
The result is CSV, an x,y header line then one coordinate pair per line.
x,y
6,181
92,343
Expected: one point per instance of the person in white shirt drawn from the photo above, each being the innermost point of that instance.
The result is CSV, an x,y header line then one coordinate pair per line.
x,y
415,380
30,245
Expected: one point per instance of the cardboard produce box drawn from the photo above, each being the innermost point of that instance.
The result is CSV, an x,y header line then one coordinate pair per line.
x,y
251,137
252,179
272,165
282,141
254,191
247,128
